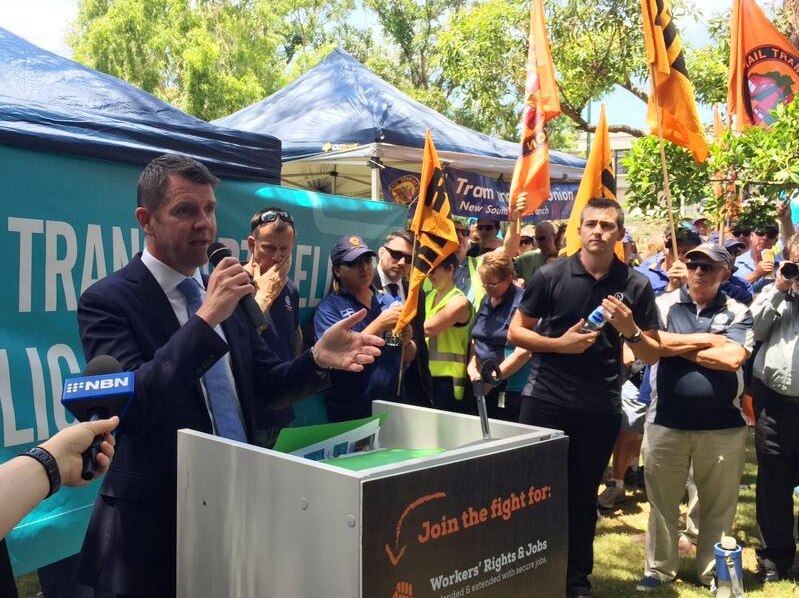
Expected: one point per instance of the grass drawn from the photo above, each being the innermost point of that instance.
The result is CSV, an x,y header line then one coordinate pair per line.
x,y
619,551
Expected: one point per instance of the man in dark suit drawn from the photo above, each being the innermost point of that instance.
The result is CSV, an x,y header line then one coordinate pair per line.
x,y
391,276
198,364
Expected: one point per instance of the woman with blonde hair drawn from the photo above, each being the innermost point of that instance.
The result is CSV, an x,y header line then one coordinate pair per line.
x,y
490,338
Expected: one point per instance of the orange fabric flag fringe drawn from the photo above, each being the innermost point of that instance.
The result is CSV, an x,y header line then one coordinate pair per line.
x,y
764,67
432,224
541,104
671,89
599,180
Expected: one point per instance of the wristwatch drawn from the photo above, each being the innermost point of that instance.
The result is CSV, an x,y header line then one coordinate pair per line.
x,y
639,334
47,461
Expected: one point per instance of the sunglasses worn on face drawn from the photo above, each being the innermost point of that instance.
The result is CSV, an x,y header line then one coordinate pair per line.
x,y
485,227
703,266
541,238
398,255
769,232
526,240
271,216
361,262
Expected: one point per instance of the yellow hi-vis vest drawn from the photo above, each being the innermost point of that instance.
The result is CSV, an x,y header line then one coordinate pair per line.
x,y
449,350
476,291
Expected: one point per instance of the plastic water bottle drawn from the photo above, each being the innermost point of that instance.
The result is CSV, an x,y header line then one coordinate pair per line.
x,y
595,320
729,569
393,340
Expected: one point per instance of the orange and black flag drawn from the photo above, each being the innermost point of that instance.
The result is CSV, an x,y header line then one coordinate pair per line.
x,y
599,180
432,224
764,67
541,104
671,90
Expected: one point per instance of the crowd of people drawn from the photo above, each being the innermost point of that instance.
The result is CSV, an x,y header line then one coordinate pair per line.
x,y
647,357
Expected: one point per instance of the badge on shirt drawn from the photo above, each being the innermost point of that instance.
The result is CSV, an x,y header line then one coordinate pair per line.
x,y
288,303
346,313
720,322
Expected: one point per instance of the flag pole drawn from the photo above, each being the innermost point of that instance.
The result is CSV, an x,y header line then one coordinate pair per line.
x,y
666,190
402,352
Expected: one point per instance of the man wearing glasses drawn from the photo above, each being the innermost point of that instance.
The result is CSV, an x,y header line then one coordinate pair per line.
x,y
527,263
695,415
391,277
751,266
272,237
487,231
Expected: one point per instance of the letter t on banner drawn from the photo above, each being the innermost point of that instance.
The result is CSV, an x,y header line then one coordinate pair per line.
x,y
541,104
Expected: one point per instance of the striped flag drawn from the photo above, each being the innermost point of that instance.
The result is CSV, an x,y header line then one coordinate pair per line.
x,y
599,180
432,224
764,67
541,104
671,90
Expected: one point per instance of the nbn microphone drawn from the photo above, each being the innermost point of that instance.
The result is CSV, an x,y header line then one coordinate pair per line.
x,y
101,392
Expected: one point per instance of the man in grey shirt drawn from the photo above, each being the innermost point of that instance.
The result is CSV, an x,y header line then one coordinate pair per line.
x,y
775,390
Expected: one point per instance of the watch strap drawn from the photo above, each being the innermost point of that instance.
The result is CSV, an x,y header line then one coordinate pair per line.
x,y
50,467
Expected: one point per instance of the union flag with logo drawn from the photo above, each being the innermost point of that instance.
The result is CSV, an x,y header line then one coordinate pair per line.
x,y
764,67
432,224
541,104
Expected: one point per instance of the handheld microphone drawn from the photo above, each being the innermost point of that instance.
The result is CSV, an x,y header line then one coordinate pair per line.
x,y
102,391
216,253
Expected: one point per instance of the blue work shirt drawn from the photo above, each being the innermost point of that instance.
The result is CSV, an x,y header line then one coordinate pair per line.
x,y
746,265
657,276
281,336
351,394
490,335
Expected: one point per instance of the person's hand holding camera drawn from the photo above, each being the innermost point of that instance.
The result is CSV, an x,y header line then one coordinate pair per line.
x,y
787,275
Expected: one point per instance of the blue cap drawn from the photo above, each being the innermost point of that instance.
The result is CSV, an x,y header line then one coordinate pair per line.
x,y
732,242
349,249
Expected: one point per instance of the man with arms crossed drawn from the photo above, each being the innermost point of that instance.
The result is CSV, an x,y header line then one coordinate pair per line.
x,y
575,381
198,363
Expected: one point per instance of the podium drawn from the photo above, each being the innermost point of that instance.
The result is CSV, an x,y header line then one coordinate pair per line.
x,y
485,518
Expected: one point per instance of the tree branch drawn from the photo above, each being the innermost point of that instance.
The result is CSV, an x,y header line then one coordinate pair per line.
x,y
635,90
577,118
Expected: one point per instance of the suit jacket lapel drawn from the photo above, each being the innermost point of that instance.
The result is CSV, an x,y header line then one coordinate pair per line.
x,y
154,300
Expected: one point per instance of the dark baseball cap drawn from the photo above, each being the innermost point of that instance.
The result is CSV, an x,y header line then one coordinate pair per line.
x,y
686,235
714,251
732,243
349,249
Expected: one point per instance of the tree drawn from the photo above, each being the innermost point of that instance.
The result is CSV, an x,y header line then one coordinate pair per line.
x,y
208,57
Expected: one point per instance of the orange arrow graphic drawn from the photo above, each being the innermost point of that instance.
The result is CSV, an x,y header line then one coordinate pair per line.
x,y
419,501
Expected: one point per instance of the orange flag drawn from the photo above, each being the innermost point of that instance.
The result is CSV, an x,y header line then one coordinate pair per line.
x,y
432,224
541,104
599,180
764,67
671,90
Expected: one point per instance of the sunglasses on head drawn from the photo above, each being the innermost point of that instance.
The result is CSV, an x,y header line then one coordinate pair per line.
x,y
398,255
271,216
703,266
485,227
771,233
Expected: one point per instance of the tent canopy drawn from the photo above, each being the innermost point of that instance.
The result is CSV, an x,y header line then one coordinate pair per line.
x,y
336,117
49,103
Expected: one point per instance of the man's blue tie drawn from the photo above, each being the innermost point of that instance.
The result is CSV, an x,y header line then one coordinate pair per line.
x,y
217,383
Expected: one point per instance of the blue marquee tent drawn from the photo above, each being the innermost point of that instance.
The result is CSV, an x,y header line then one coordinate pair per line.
x,y
339,116
49,103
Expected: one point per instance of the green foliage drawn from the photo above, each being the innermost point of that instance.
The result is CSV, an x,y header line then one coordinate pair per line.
x,y
708,66
689,181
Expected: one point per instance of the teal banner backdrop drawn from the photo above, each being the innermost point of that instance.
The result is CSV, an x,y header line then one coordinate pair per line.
x,y
64,224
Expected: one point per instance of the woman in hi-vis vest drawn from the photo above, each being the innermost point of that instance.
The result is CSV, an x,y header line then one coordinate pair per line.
x,y
446,328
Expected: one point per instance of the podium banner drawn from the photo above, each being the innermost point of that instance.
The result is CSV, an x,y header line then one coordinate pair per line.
x,y
489,527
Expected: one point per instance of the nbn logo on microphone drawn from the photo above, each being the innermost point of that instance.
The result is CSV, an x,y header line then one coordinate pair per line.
x,y
120,383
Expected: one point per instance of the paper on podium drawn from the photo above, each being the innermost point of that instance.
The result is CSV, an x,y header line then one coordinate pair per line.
x,y
328,441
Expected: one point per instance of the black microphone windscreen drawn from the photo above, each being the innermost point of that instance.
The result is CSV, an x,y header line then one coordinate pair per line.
x,y
102,364
217,252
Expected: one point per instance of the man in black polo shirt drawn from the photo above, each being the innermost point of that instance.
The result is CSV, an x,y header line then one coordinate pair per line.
x,y
575,384
272,237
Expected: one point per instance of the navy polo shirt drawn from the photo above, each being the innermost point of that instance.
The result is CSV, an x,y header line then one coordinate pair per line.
x,y
688,396
281,336
352,393
559,295
490,334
